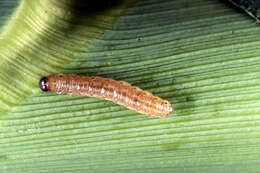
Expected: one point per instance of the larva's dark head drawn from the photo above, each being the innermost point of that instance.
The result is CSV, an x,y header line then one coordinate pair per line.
x,y
43,84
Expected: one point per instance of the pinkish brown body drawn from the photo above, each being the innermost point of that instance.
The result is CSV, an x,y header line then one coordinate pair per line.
x,y
117,91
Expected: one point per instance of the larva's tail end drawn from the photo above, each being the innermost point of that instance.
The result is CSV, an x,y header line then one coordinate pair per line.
x,y
43,84
168,110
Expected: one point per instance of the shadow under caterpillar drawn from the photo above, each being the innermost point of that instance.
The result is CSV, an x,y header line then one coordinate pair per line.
x,y
119,92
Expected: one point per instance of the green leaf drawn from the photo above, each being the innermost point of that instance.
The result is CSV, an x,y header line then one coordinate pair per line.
x,y
251,7
200,55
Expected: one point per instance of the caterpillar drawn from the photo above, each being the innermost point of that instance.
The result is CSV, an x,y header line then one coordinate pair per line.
x,y
119,92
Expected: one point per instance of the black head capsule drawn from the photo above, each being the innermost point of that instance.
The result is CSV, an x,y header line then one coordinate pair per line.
x,y
43,84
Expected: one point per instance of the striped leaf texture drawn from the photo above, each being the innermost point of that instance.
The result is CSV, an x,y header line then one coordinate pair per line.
x,y
201,55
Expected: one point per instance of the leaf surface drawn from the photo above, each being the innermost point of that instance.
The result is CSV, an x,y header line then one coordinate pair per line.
x,y
200,55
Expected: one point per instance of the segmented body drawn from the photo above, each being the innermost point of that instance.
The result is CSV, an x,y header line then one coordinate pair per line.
x,y
119,92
